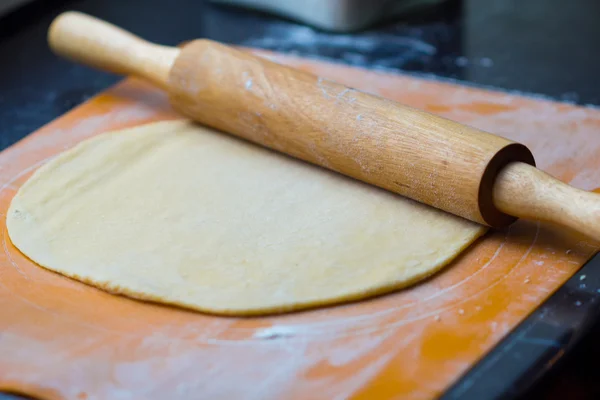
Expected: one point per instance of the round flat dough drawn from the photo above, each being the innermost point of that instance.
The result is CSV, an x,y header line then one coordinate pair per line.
x,y
180,214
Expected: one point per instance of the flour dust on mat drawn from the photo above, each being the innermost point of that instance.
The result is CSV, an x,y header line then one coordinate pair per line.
x,y
180,214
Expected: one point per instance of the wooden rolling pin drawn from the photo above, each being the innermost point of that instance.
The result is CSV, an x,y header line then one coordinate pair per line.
x,y
459,169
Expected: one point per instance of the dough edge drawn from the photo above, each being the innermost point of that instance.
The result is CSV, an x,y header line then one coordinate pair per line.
x,y
110,287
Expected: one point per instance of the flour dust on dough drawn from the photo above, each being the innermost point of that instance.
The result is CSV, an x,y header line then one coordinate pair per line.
x,y
177,213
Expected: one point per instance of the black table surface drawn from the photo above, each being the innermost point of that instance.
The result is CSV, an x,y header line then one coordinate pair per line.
x,y
540,47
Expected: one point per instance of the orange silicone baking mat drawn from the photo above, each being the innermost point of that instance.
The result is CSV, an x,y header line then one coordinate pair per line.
x,y
63,339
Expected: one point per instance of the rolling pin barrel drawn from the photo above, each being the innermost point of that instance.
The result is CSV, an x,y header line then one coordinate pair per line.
x,y
459,169
427,158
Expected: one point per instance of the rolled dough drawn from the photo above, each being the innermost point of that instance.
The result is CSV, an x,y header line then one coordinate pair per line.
x,y
177,213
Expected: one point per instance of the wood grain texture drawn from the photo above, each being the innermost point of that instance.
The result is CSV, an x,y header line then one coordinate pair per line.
x,y
529,193
416,154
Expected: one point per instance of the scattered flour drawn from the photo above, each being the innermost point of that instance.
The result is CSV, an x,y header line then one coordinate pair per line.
x,y
276,332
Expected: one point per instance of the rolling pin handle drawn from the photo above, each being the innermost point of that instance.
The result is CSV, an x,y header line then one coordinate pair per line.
x,y
101,45
527,192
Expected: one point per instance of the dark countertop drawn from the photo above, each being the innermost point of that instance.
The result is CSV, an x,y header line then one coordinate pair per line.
x,y
543,47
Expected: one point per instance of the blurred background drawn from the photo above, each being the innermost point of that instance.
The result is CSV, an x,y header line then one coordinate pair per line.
x,y
542,48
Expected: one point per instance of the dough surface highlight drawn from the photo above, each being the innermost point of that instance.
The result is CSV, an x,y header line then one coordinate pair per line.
x,y
177,213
